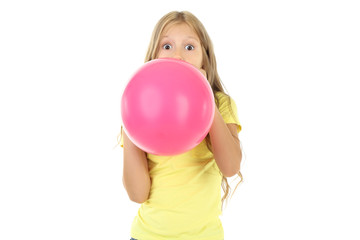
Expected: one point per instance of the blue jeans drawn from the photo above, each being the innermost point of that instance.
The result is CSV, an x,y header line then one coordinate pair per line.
x,y
133,239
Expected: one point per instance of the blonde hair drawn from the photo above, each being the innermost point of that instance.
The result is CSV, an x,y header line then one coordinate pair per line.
x,y
209,65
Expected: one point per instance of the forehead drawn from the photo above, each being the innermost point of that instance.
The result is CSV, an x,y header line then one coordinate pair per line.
x,y
179,29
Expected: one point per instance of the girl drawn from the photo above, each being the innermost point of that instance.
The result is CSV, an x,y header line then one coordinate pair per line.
x,y
180,195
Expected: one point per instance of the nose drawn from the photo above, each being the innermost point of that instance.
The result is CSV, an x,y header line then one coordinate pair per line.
x,y
177,55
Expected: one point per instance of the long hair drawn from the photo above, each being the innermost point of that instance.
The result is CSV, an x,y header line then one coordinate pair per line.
x,y
209,65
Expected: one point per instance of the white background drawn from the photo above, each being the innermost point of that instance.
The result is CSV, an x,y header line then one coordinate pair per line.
x,y
292,67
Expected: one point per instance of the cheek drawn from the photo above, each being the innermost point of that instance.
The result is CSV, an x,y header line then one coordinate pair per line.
x,y
162,53
157,54
199,60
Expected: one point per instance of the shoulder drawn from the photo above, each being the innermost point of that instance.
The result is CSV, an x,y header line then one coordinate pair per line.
x,y
220,95
224,99
228,110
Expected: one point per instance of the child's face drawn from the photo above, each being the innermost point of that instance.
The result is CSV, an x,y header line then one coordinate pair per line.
x,y
181,42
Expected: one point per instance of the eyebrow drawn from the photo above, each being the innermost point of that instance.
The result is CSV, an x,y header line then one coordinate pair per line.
x,y
191,37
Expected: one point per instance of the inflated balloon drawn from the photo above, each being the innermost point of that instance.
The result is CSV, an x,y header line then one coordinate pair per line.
x,y
167,107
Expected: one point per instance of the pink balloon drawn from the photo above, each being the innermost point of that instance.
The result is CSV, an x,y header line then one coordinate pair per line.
x,y
167,107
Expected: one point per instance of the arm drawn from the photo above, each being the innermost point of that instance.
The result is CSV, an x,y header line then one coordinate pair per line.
x,y
136,177
225,145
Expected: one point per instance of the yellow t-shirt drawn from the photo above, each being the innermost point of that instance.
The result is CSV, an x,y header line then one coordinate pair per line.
x,y
185,196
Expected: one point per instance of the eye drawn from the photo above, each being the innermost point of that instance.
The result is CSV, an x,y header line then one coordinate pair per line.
x,y
167,46
189,47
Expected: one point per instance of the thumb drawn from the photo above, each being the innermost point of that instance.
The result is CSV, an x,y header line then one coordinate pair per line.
x,y
203,72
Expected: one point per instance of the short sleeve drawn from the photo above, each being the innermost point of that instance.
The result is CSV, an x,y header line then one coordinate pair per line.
x,y
121,138
228,109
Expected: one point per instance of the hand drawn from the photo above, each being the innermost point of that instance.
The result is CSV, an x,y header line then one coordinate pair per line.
x,y
203,72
